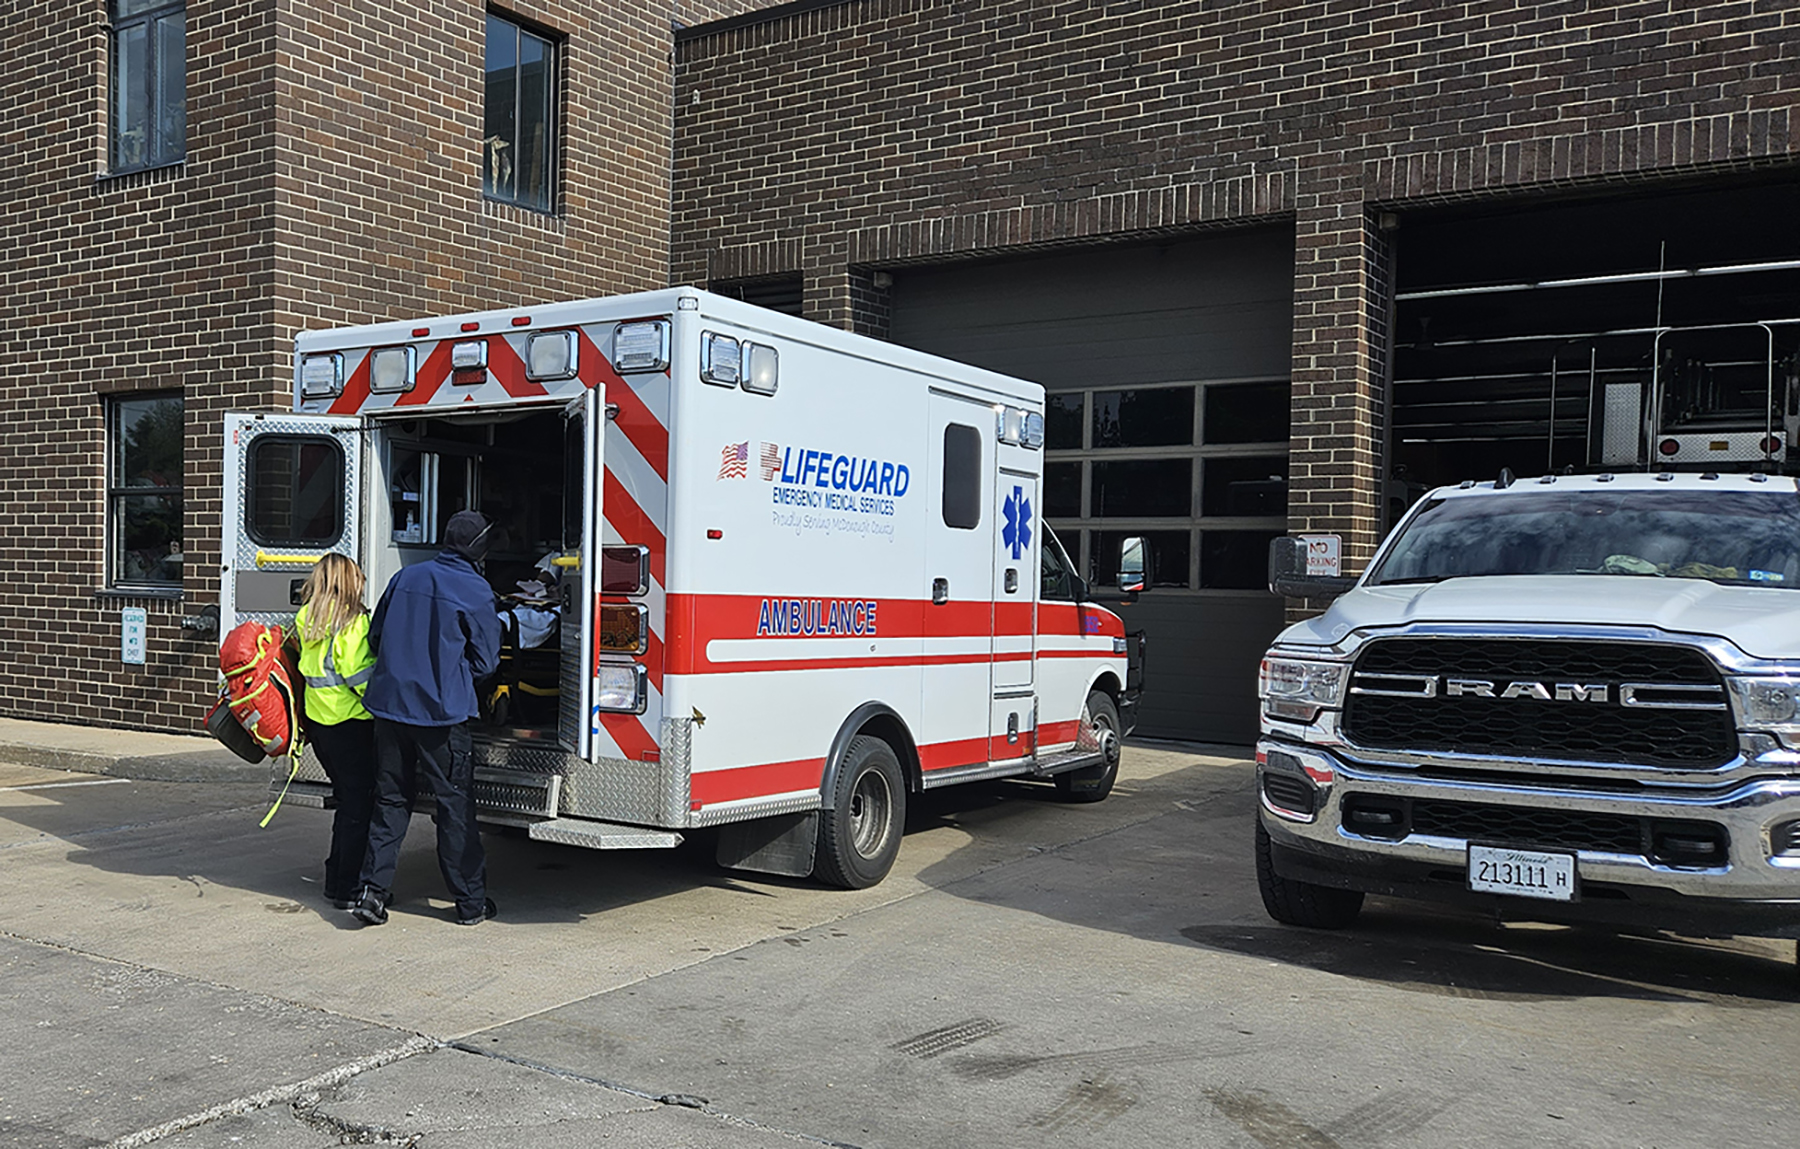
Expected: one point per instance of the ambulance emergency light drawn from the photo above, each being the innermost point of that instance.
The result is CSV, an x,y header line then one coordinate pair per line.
x,y
761,365
550,355
641,346
721,359
1018,426
321,375
392,369
621,687
470,356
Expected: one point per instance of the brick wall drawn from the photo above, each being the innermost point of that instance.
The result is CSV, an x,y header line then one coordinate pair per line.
x,y
878,132
332,176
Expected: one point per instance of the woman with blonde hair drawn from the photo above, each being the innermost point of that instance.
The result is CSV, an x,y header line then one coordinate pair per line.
x,y
332,633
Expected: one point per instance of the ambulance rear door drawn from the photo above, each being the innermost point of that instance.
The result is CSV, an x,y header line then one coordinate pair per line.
x,y
584,424
293,493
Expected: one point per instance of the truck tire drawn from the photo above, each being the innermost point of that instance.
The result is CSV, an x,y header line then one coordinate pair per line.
x,y
1093,783
1301,903
863,817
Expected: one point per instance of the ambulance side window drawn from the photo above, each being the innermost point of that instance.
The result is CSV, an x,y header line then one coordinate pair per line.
x,y
962,477
296,495
1057,580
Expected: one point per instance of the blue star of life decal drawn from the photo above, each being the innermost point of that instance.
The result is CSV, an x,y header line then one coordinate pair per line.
x,y
1017,532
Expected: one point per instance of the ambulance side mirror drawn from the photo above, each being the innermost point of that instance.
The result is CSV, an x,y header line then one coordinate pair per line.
x,y
1135,567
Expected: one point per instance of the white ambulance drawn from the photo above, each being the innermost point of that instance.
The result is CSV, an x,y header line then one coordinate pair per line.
x,y
755,573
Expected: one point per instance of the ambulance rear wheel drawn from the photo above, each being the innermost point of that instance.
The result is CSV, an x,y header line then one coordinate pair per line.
x,y
1093,783
863,816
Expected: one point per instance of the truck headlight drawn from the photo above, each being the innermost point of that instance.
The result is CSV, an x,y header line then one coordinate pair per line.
x,y
1771,704
1297,689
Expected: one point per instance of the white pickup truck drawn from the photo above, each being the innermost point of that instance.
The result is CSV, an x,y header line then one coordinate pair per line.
x,y
1566,698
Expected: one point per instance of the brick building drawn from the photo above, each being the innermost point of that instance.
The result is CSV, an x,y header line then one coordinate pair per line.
x,y
1341,247
189,185
1280,265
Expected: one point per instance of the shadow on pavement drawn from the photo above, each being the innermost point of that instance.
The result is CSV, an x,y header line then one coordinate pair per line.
x,y
1186,876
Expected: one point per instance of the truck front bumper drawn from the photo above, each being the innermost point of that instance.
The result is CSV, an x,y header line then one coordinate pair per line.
x,y
1751,887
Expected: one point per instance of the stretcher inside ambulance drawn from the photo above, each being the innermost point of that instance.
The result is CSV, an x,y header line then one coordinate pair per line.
x,y
757,574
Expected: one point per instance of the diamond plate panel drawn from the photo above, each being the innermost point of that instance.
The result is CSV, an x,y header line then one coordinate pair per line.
x,y
619,790
714,816
602,835
518,754
1621,423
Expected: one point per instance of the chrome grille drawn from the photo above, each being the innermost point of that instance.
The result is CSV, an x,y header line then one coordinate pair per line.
x,y
1663,705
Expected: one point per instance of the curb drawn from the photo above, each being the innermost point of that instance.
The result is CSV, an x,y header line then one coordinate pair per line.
x,y
202,766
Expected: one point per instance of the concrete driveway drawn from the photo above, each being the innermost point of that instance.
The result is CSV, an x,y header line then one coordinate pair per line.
x,y
1032,973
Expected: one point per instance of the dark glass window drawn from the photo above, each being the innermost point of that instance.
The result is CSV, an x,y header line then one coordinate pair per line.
x,y
144,491
1167,552
296,495
1247,413
962,477
1062,490
1140,488
1062,421
1255,486
519,134
1235,560
1057,577
148,121
1154,417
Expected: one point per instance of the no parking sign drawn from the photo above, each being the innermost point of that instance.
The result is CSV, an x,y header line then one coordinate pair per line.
x,y
1322,555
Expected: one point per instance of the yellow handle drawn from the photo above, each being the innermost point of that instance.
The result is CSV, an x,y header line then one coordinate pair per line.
x,y
566,561
265,559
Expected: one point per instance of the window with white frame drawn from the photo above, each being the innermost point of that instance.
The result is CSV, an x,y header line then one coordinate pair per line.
x,y
148,114
1198,470
518,147
143,491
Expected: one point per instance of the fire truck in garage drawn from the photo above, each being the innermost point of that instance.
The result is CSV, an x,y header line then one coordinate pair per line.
x,y
755,573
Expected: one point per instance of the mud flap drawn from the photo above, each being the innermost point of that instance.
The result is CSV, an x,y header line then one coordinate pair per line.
x,y
782,844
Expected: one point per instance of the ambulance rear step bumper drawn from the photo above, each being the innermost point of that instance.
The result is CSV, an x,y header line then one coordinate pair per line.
x,y
602,835
515,797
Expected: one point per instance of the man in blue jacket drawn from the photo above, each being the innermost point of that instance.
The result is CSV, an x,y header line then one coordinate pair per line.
x,y
434,633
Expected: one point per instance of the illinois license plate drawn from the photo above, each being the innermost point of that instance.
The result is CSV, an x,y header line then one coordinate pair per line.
x,y
1522,873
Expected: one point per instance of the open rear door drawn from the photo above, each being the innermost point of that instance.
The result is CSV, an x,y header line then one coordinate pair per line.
x,y
293,492
583,433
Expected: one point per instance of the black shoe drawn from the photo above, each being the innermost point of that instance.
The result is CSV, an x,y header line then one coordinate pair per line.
x,y
371,908
348,903
488,910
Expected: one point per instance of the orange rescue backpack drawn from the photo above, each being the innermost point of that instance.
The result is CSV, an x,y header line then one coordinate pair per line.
x,y
259,687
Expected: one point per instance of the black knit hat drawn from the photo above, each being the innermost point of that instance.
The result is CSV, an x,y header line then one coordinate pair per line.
x,y
466,534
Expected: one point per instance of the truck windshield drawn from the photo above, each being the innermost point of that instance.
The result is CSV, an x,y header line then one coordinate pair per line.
x,y
1736,537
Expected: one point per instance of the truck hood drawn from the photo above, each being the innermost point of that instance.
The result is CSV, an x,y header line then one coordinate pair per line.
x,y
1762,623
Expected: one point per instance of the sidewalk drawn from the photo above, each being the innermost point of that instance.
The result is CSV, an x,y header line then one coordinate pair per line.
x,y
136,754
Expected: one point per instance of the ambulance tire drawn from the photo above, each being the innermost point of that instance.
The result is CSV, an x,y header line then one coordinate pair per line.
x,y
1094,783
863,817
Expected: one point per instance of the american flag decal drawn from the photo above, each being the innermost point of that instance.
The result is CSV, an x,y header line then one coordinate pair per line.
x,y
734,461
771,461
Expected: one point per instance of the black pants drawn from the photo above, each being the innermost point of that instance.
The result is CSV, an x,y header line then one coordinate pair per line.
x,y
347,751
438,756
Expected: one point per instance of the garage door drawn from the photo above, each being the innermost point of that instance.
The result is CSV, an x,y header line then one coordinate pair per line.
x,y
1168,419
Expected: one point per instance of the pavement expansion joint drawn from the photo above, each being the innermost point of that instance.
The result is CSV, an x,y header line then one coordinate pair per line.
x,y
679,1100
280,1094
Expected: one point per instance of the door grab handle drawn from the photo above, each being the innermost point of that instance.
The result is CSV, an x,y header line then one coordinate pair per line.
x,y
940,591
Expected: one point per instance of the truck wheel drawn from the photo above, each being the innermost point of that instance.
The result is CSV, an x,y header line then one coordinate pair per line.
x,y
863,817
1301,903
1092,783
